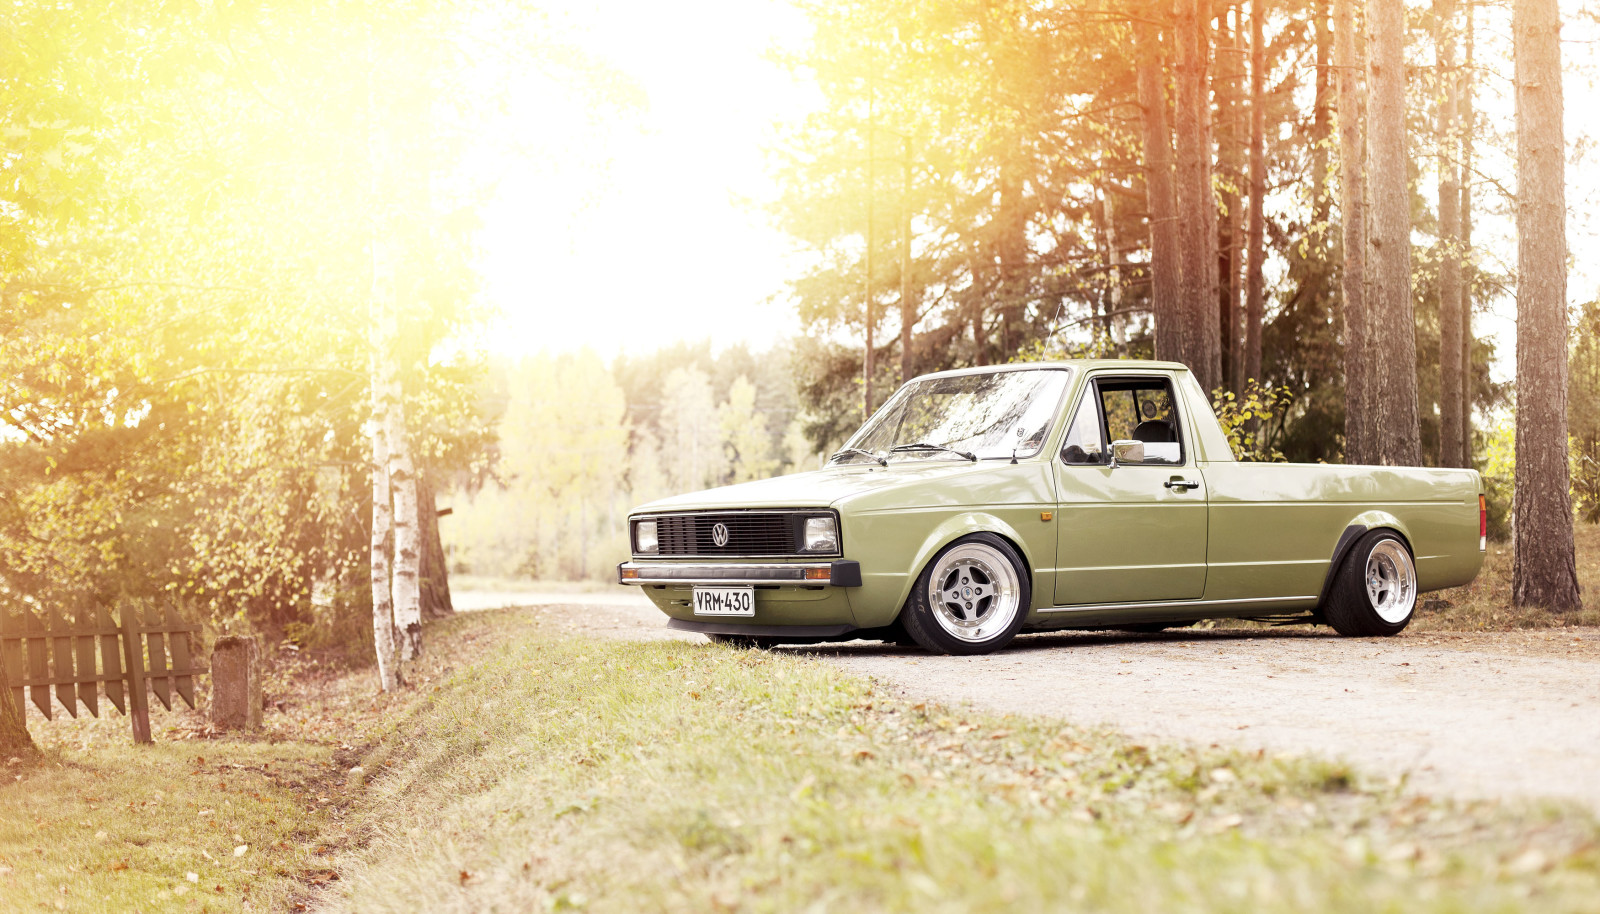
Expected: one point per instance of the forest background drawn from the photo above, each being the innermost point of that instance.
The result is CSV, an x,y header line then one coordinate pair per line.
x,y
201,205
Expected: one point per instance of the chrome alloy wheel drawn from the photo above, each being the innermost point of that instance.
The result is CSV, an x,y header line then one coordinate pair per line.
x,y
974,592
1391,581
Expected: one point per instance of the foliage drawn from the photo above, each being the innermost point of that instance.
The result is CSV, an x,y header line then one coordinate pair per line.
x,y
1252,420
183,368
582,443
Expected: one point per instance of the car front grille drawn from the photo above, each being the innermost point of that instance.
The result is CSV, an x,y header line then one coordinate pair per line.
x,y
749,533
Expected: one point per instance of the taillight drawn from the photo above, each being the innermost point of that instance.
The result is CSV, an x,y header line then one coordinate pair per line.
x,y
1483,524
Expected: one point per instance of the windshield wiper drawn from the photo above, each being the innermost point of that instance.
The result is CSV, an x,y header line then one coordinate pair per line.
x,y
858,452
926,446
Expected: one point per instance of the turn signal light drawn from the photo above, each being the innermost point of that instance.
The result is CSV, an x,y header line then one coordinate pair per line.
x,y
819,574
630,573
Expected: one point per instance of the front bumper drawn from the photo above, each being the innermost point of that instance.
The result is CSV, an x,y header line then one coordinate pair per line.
x,y
840,573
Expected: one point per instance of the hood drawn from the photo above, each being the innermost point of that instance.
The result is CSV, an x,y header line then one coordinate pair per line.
x,y
821,488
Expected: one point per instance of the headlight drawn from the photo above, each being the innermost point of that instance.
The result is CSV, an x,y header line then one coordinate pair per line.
x,y
644,537
821,535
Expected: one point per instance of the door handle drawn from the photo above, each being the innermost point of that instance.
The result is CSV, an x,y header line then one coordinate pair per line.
x,y
1181,484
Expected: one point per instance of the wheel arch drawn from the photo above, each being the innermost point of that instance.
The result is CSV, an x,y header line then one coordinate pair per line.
x,y
954,528
1360,526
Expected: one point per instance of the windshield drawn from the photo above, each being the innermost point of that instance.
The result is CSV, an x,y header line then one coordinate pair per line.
x,y
989,415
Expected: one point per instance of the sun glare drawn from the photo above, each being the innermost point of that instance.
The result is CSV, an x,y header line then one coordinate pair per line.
x,y
646,215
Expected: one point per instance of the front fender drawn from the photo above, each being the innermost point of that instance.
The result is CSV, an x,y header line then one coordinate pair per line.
x,y
900,544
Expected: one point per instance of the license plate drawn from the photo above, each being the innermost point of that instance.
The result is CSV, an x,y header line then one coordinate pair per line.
x,y
724,601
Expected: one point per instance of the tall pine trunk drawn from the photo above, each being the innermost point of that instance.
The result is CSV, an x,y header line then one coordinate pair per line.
x,y
1231,137
1543,571
1468,124
1166,269
1254,288
1196,204
1450,349
1392,345
1350,63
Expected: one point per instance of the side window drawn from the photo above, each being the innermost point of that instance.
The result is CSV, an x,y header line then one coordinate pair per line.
x,y
1083,445
1143,409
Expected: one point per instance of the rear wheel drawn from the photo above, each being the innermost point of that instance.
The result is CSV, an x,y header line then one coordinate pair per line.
x,y
971,599
1375,592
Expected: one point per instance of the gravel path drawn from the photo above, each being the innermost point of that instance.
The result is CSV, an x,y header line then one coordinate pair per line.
x,y
1476,715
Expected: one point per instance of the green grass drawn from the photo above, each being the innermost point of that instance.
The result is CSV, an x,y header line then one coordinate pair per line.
x,y
94,823
121,828
614,776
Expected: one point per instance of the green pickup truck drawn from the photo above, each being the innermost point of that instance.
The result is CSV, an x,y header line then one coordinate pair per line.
x,y
980,503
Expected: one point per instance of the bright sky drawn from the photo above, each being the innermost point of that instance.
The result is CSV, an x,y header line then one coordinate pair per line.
x,y
628,230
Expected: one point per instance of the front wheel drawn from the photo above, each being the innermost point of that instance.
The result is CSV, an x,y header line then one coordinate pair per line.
x,y
971,599
1376,590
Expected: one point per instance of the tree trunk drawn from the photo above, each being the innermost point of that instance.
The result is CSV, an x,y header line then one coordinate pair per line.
x,y
1254,289
1012,247
382,331
1450,350
14,738
1467,126
1196,205
1166,269
1544,571
1349,62
407,532
908,308
435,582
1392,347
1321,123
867,368
1230,161
383,634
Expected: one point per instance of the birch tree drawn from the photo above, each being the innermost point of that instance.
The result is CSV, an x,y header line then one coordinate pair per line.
x,y
1544,571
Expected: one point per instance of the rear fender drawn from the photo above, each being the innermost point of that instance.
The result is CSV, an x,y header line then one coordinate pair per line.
x,y
1359,526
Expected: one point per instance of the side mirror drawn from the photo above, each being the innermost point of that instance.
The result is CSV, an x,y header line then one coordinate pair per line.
x,y
1127,452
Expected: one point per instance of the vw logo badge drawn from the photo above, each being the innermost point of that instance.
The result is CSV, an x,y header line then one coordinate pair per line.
x,y
719,534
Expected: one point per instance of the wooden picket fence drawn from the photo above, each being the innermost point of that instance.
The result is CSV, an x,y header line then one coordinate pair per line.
x,y
54,652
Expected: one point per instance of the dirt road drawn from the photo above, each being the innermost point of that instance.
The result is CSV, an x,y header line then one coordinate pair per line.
x,y
1475,715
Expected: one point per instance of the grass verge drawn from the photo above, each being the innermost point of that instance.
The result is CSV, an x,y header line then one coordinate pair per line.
x,y
199,822
618,776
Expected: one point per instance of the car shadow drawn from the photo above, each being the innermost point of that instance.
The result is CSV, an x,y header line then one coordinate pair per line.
x,y
1030,642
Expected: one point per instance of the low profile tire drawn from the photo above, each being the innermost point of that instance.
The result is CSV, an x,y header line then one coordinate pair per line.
x,y
744,642
1375,592
970,599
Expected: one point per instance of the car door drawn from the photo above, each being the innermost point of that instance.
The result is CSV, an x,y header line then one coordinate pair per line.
x,y
1135,531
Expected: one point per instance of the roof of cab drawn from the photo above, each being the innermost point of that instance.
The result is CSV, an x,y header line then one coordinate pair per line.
x,y
1082,364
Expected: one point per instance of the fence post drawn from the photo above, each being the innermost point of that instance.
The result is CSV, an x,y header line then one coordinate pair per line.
x,y
133,654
